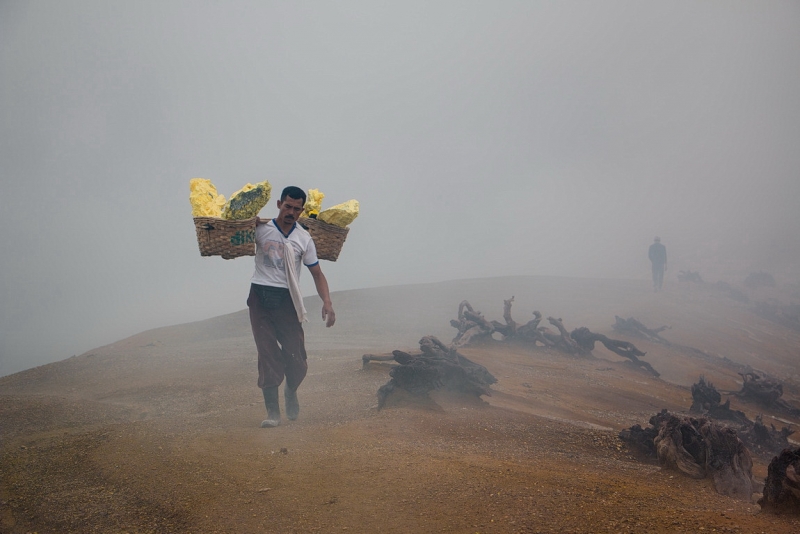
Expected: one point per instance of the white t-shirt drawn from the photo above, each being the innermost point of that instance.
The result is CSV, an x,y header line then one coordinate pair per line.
x,y
270,270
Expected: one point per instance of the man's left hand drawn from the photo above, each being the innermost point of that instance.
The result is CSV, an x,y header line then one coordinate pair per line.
x,y
328,315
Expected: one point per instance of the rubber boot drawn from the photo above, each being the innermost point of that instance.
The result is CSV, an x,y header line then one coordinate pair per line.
x,y
292,404
273,408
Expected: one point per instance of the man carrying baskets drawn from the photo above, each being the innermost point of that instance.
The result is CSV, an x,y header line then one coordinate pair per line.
x,y
276,305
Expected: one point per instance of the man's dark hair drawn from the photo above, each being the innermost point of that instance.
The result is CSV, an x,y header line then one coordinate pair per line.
x,y
293,192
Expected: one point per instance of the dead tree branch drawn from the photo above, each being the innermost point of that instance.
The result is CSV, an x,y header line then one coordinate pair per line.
x,y
586,339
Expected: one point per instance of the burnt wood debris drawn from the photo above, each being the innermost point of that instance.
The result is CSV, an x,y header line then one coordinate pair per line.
x,y
782,486
712,441
699,448
435,366
473,327
635,328
439,365
766,392
763,441
717,443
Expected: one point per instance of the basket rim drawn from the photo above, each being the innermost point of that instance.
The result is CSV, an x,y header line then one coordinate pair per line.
x,y
251,220
322,225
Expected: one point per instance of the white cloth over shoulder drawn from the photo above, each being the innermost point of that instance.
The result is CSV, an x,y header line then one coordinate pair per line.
x,y
293,282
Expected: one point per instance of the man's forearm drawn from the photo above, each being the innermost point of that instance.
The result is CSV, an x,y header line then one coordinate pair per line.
x,y
322,288
324,293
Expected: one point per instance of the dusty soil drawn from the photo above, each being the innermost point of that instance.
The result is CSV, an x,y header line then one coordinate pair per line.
x,y
160,432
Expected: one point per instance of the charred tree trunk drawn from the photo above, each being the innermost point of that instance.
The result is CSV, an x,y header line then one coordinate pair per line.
x,y
765,441
698,448
586,339
706,400
701,448
782,486
642,439
565,342
766,392
471,325
761,389
532,332
728,462
704,396
635,328
759,439
509,329
436,366
723,412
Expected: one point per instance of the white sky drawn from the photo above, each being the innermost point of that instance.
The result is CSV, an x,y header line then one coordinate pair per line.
x,y
481,139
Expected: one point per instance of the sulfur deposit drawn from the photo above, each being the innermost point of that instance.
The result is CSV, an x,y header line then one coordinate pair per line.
x,y
205,200
248,201
313,202
340,214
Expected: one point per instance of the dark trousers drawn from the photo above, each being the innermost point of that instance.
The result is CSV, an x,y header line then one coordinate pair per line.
x,y
658,275
280,341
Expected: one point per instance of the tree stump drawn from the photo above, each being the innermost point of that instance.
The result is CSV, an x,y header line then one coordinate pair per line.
x,y
782,486
761,389
641,439
436,366
765,391
765,441
704,396
699,448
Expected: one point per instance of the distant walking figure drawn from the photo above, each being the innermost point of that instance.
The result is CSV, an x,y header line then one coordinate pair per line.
x,y
658,257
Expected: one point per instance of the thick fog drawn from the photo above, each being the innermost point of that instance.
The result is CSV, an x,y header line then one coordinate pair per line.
x,y
481,139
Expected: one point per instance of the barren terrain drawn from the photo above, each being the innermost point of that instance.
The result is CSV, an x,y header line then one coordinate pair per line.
x,y
160,432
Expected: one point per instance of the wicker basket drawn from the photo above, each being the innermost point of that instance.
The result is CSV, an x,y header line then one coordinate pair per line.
x,y
328,238
229,239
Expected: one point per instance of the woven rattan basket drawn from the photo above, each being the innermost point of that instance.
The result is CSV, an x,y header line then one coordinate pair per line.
x,y
328,238
229,239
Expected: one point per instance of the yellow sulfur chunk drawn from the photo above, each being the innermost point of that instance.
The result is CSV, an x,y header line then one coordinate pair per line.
x,y
313,202
340,214
247,202
205,200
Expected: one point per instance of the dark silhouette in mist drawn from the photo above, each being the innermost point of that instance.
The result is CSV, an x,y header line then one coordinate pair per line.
x,y
658,257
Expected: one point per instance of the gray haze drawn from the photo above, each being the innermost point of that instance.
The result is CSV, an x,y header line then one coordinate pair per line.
x,y
481,139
